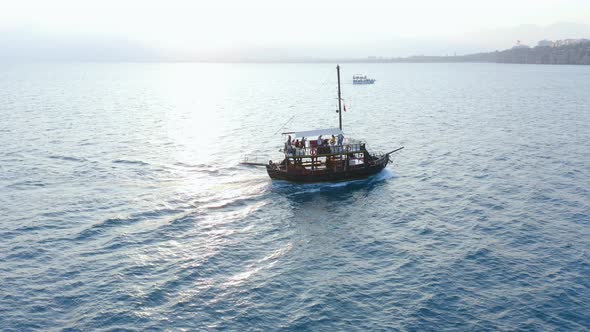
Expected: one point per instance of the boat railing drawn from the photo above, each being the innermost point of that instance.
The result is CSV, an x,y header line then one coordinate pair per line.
x,y
329,149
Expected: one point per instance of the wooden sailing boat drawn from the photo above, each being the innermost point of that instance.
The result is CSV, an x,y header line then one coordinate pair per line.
x,y
326,159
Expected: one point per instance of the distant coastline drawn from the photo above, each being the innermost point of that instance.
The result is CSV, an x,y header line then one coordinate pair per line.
x,y
561,52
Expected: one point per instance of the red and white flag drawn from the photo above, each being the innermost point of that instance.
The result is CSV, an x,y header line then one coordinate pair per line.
x,y
344,107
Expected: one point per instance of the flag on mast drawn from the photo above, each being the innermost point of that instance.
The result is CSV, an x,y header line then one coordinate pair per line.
x,y
344,107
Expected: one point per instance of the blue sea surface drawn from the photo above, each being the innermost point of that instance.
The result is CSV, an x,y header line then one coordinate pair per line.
x,y
123,205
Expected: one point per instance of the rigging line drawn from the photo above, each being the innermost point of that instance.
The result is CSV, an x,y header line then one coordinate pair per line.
x,y
327,78
284,124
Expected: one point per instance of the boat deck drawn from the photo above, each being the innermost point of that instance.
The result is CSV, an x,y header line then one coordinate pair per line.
x,y
325,150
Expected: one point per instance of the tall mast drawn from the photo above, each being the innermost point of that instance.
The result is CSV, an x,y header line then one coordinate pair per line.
x,y
339,101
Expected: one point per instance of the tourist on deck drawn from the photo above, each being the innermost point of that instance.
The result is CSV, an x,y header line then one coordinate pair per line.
x,y
320,140
297,143
288,144
302,144
332,142
340,139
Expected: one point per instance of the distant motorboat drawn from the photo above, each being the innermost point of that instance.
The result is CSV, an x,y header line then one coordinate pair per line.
x,y
362,79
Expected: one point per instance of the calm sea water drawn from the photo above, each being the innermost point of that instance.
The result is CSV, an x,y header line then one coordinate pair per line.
x,y
123,204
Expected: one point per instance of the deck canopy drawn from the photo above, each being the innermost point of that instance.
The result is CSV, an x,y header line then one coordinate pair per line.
x,y
317,132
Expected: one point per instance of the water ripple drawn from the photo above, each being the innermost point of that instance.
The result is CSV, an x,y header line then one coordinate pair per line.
x,y
124,207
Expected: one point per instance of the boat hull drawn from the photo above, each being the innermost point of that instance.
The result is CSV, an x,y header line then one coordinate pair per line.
x,y
324,176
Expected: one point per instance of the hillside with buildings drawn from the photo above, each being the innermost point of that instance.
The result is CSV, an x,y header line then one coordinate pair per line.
x,y
560,52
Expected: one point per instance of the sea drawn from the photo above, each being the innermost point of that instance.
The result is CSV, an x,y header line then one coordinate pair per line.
x,y
124,206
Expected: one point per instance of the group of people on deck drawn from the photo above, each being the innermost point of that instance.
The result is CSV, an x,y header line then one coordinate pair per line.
x,y
297,143
315,145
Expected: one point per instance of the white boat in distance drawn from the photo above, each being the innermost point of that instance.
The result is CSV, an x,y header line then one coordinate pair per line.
x,y
362,79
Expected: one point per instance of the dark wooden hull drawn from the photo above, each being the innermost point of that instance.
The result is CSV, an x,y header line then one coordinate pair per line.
x,y
328,176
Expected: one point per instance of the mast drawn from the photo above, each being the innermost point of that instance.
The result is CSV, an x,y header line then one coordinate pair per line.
x,y
339,101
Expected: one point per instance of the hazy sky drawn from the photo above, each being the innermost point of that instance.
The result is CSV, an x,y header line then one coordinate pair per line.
x,y
205,29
